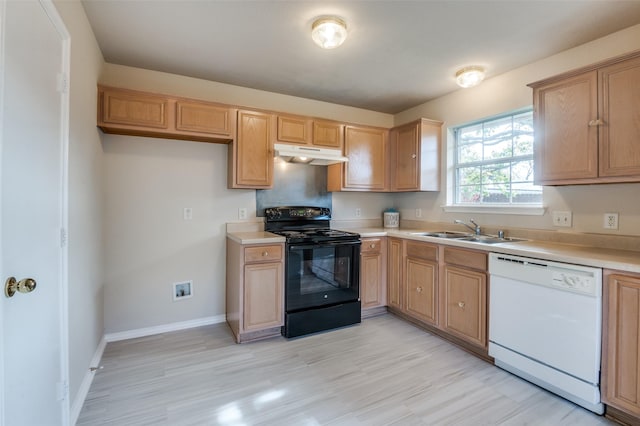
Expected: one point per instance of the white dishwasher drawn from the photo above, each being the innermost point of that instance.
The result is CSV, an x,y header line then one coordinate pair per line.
x,y
545,323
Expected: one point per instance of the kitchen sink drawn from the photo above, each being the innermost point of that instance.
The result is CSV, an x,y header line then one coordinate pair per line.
x,y
443,234
486,239
462,236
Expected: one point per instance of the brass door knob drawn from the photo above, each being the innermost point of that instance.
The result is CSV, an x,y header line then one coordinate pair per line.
x,y
25,285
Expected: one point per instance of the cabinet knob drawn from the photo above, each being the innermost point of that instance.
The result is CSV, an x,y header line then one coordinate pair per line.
x,y
595,123
372,245
265,253
413,156
419,289
461,304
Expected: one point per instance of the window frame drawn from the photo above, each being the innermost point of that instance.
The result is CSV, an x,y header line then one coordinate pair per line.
x,y
453,205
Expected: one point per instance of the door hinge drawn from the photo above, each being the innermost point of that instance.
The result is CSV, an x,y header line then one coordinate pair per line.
x,y
63,237
63,390
63,83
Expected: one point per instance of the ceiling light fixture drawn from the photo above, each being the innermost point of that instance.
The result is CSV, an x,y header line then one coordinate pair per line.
x,y
470,76
329,32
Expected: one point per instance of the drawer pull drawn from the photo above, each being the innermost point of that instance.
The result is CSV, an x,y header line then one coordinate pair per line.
x,y
461,304
265,253
372,246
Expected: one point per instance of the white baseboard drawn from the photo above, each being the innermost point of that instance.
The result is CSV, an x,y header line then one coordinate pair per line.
x,y
81,396
149,331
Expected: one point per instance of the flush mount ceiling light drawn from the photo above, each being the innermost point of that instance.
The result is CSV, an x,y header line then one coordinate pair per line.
x,y
329,32
470,76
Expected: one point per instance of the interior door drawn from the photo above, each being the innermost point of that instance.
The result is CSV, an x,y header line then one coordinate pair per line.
x,y
32,181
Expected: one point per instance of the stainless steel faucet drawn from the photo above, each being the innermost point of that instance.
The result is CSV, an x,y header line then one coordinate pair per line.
x,y
475,228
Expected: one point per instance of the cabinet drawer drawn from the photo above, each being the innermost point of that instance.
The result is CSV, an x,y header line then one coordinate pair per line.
x,y
371,245
262,254
467,258
422,251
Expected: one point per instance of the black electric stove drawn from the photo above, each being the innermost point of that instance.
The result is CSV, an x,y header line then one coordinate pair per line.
x,y
322,288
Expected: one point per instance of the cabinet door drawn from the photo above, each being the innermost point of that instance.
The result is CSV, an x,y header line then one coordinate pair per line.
x,y
328,134
421,289
621,381
394,277
465,299
294,130
365,147
566,145
252,165
204,118
404,145
372,273
134,109
620,116
263,298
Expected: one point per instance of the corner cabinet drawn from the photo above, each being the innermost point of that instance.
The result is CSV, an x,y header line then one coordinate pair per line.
x,y
373,273
251,155
621,345
130,112
464,295
415,156
413,280
366,149
254,290
586,124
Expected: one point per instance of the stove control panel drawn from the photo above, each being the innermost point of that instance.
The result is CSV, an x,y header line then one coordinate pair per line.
x,y
284,213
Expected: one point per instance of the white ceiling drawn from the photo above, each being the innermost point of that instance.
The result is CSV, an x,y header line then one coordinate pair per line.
x,y
398,54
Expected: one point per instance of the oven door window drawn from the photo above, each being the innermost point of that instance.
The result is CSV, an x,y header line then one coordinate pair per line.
x,y
321,275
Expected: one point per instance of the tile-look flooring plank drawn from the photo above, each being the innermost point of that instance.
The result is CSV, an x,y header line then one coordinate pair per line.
x,y
382,372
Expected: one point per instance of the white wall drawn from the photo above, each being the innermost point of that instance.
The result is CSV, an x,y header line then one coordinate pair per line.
x,y
508,92
85,197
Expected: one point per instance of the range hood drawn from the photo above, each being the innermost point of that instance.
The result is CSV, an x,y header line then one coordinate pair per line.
x,y
309,155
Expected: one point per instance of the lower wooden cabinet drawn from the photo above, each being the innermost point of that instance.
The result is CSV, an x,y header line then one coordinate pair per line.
x,y
255,290
464,295
621,344
373,282
421,281
442,288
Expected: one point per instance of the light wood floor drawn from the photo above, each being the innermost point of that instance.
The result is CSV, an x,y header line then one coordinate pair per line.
x,y
382,372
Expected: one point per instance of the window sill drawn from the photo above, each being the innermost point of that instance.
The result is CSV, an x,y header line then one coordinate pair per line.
x,y
497,209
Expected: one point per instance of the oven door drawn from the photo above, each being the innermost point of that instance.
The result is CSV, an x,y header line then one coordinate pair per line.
x,y
322,274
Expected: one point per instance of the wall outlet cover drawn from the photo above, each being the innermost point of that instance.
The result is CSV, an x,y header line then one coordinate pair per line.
x,y
562,218
610,221
182,290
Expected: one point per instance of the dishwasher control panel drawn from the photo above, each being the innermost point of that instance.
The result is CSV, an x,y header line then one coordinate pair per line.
x,y
579,279
583,283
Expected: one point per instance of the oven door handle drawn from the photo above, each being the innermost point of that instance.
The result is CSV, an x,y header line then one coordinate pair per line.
x,y
325,244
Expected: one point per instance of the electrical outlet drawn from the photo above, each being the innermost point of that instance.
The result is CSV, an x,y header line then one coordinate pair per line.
x,y
418,213
610,221
562,219
187,213
242,213
358,212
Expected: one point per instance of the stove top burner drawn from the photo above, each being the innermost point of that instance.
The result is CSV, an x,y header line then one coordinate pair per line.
x,y
316,235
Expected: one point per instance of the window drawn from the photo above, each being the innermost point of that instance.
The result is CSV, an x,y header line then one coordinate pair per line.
x,y
494,162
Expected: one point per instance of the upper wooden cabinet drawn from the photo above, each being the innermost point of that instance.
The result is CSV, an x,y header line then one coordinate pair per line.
x,y
586,124
251,154
415,156
130,112
366,149
307,131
